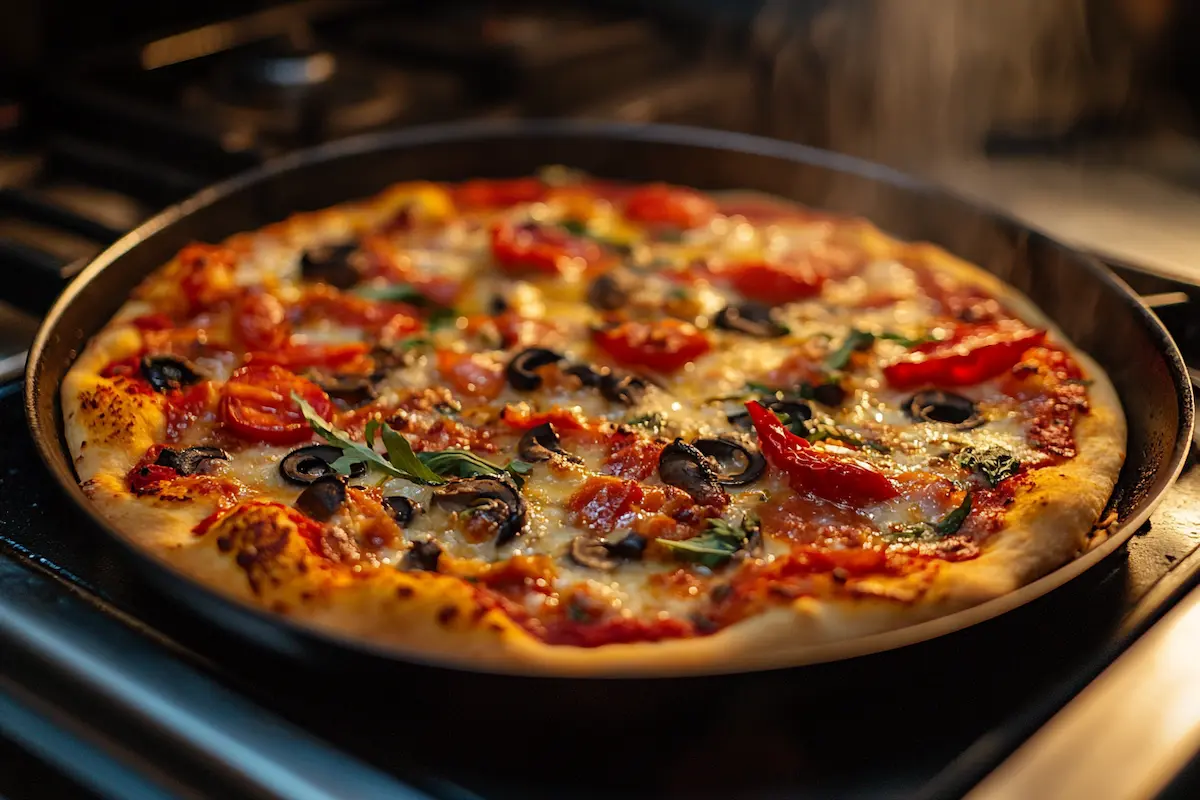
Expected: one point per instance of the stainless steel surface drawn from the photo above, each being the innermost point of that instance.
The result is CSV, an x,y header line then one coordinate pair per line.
x,y
1125,736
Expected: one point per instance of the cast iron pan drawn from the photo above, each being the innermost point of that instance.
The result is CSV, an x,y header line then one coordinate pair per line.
x,y
1095,309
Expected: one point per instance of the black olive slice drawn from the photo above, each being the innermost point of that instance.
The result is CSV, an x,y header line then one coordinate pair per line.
x,y
540,442
192,461
496,500
587,376
348,391
608,293
423,556
402,508
730,455
311,462
588,551
323,497
752,319
331,265
946,407
520,371
796,409
497,305
829,394
629,548
169,372
683,466
624,389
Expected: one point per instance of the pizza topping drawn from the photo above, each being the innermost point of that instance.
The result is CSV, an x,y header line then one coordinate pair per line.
x,y
752,319
541,443
522,369
719,542
306,464
260,321
627,390
332,264
402,509
530,247
774,283
794,413
609,292
262,403
192,460
323,497
685,467
664,346
605,502
591,552
944,527
166,372
346,391
472,374
739,462
495,501
423,555
944,407
840,480
993,464
661,204
975,353
856,341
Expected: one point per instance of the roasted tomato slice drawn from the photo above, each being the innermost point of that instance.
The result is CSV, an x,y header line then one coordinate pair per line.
x,y
774,283
664,346
661,204
604,502
346,357
261,321
471,374
540,248
256,404
498,193
841,480
973,354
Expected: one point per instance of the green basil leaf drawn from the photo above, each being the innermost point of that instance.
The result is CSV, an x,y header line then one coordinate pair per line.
x,y
575,227
720,540
855,340
905,341
352,452
936,530
442,318
993,464
652,422
401,454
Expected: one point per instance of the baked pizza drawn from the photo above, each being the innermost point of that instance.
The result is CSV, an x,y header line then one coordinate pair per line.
x,y
564,425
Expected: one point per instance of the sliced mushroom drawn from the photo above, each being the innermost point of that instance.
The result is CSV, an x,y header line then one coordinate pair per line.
x,y
192,461
348,391
520,371
750,318
796,409
323,497
683,466
310,463
165,372
588,551
330,264
608,293
403,509
496,500
946,407
624,389
540,442
423,556
731,454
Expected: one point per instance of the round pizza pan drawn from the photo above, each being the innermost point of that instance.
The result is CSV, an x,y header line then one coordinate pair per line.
x,y
1090,305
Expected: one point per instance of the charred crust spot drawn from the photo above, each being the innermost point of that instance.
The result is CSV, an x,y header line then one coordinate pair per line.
x,y
495,627
404,592
447,615
224,544
279,607
840,575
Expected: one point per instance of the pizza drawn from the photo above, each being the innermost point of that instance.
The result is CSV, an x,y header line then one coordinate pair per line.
x,y
563,425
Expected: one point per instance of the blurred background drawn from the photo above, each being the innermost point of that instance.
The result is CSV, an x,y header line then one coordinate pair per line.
x,y
1082,116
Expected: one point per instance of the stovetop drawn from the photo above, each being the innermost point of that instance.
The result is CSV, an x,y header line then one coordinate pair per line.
x,y
96,147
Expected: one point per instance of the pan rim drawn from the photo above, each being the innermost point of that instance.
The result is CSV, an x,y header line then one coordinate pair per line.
x,y
169,579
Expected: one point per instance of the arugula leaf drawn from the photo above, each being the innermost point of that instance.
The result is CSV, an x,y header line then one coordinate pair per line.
x,y
575,227
717,544
394,292
905,341
653,421
993,464
401,454
855,340
352,452
820,431
929,531
760,388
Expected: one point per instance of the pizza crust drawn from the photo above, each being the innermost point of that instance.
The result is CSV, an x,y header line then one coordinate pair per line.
x,y
429,617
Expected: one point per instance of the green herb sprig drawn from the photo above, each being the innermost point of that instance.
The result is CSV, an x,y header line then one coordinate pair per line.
x,y
993,464
717,544
932,531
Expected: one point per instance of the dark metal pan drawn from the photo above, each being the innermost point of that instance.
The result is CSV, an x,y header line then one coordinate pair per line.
x,y
1093,308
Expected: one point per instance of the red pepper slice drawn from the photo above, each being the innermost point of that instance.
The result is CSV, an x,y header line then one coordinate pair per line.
x,y
973,354
840,480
